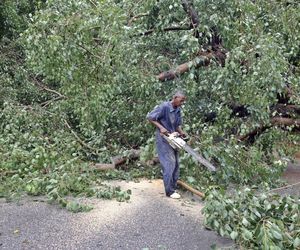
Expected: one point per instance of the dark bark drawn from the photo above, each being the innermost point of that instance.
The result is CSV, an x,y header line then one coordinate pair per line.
x,y
286,110
190,10
239,110
275,121
250,137
175,28
210,117
215,40
193,15
284,122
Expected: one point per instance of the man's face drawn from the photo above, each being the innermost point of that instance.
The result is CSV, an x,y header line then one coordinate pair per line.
x,y
179,100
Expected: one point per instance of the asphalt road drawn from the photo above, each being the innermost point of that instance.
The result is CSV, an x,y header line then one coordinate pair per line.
x,y
149,221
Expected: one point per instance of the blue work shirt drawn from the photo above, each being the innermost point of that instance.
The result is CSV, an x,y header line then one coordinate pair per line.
x,y
170,118
166,115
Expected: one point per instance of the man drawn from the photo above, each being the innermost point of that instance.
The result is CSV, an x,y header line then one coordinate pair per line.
x,y
167,119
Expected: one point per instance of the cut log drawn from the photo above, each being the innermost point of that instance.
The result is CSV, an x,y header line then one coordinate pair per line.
x,y
297,155
132,155
102,166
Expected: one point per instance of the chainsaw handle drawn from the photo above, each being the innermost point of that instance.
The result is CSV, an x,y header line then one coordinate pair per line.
x,y
167,134
185,138
177,134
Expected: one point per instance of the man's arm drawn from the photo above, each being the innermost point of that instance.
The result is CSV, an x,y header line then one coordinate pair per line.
x,y
161,128
154,117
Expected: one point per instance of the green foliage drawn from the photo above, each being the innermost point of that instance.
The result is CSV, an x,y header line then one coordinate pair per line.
x,y
88,54
76,207
261,221
42,159
104,67
86,64
114,192
262,162
14,15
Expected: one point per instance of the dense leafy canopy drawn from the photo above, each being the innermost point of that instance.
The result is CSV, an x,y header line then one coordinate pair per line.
x,y
78,78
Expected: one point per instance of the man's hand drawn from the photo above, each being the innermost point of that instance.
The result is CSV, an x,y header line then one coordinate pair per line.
x,y
182,134
161,128
163,131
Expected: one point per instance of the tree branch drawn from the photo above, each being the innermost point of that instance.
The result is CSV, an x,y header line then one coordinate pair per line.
x,y
78,138
172,74
93,3
189,9
275,121
254,133
175,28
282,121
287,109
46,103
136,17
90,52
42,86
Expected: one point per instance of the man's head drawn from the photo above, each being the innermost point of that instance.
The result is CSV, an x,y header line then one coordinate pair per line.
x,y
178,99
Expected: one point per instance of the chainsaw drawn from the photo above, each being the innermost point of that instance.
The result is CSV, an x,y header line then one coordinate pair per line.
x,y
178,142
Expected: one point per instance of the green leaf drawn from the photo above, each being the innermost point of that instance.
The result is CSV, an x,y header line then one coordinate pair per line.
x,y
191,179
296,242
234,235
248,235
245,222
277,235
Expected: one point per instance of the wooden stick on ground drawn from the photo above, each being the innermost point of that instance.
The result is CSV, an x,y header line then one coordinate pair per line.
x,y
194,191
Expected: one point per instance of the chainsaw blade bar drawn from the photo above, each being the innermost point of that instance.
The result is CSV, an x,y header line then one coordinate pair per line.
x,y
199,158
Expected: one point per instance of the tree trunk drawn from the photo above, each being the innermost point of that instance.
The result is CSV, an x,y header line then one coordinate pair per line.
x,y
185,67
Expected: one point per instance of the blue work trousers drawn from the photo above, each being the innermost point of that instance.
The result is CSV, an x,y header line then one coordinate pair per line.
x,y
169,161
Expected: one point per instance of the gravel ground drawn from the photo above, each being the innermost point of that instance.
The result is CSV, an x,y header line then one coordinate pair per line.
x,y
148,221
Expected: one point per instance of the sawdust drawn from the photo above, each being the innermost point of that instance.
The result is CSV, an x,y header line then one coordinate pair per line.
x,y
143,190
